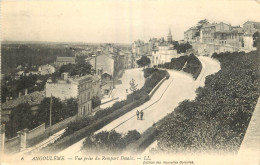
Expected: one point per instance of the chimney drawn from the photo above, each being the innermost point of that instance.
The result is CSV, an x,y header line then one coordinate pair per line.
x,y
25,91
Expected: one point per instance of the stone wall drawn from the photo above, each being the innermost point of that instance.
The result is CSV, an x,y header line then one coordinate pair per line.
x,y
35,135
12,145
209,49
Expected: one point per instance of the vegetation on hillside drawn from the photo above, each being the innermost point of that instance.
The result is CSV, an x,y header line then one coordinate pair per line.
x,y
29,55
219,116
22,116
190,64
109,142
134,99
182,47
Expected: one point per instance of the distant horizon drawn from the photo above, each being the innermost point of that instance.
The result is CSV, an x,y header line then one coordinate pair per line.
x,y
58,42
115,21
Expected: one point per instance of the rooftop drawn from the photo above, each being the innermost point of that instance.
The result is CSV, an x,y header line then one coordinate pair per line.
x,y
66,59
34,98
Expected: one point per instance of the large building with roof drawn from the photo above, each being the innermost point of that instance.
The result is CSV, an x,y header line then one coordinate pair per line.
x,y
33,99
84,88
163,53
64,61
223,37
46,69
251,27
190,34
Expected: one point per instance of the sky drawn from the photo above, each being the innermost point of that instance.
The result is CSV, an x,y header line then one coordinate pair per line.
x,y
115,21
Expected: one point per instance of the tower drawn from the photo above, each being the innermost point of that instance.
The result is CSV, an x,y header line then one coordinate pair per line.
x,y
169,37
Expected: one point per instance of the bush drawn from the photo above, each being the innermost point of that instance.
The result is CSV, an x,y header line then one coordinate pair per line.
x,y
109,141
95,102
90,124
152,81
219,116
193,66
149,71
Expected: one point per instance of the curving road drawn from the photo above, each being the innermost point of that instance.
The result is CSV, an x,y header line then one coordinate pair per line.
x,y
177,88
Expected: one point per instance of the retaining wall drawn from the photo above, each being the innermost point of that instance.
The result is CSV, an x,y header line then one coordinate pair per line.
x,y
35,135
12,145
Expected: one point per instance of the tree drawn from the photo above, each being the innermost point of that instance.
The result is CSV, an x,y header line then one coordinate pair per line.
x,y
69,108
200,25
144,61
133,87
20,118
44,111
95,101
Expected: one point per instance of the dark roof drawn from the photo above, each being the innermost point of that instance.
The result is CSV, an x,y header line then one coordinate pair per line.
x,y
32,99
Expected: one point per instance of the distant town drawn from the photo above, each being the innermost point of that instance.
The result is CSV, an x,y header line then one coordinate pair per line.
x,y
47,86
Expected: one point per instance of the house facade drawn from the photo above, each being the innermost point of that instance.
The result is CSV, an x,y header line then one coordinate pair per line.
x,y
84,88
164,53
46,69
222,37
64,61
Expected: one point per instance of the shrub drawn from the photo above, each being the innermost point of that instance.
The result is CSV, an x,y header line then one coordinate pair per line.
x,y
95,102
149,71
109,141
219,116
90,124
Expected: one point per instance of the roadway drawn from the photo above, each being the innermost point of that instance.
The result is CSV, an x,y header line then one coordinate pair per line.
x,y
179,87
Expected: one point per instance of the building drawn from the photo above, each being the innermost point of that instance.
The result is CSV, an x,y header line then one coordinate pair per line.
x,y
84,88
107,65
46,69
103,62
169,37
223,37
64,61
33,99
64,88
251,27
190,34
84,95
164,53
96,86
127,59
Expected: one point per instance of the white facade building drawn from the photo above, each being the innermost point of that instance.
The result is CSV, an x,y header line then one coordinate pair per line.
x,y
46,69
163,54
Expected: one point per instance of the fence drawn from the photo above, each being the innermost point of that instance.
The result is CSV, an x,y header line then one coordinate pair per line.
x,y
12,145
34,136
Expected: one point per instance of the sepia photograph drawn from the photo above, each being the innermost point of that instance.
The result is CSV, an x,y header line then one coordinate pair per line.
x,y
133,82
